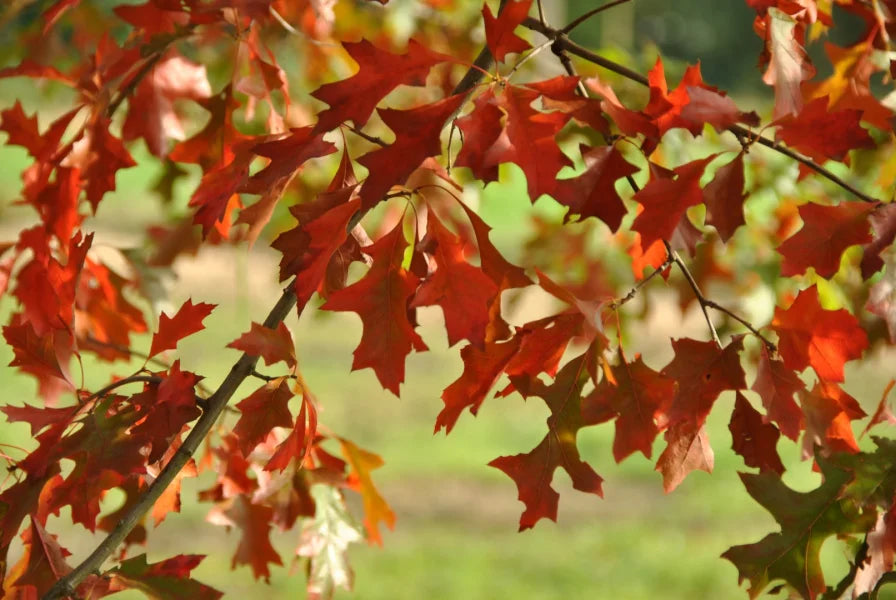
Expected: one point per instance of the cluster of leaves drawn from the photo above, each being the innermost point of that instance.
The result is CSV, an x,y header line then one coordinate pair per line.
x,y
140,79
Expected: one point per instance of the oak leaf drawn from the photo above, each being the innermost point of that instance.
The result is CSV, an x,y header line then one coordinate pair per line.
x,y
826,233
381,300
809,335
186,321
753,438
499,35
272,345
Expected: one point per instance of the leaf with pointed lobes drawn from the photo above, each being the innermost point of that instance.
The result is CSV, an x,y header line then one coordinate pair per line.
x,y
829,412
376,510
809,335
298,443
261,411
807,519
692,104
286,155
562,93
381,300
41,564
636,396
255,547
823,135
882,414
481,129
702,371
593,193
826,233
665,201
417,137
168,579
187,321
151,113
776,385
379,72
788,63
724,197
533,471
504,274
499,35
589,310
482,369
272,345
528,140
464,292
883,227
753,438
687,449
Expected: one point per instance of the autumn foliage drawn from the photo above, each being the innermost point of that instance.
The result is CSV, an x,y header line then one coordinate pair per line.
x,y
668,178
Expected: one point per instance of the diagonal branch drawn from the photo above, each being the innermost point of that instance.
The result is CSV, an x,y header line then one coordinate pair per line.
x,y
66,585
564,43
216,405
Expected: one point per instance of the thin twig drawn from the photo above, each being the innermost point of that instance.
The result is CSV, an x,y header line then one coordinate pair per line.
x,y
701,299
716,306
366,136
634,291
590,14
741,132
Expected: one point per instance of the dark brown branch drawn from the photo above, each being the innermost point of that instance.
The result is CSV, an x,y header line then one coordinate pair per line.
x,y
716,306
572,25
563,42
701,299
66,585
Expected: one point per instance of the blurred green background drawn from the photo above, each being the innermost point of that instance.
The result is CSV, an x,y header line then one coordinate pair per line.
x,y
456,533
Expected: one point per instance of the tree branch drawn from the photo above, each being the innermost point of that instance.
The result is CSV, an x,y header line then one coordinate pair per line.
x,y
66,585
563,42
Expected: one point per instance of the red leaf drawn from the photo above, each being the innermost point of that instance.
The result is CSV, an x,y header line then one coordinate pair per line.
x,y
724,197
481,128
691,104
151,113
416,138
271,344
636,395
482,369
812,336
823,135
255,547
776,384
702,371
826,233
379,72
499,34
883,226
381,300
882,414
753,438
376,510
687,450
298,443
829,412
261,411
165,580
187,321
666,200
593,193
533,471
287,155
464,292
